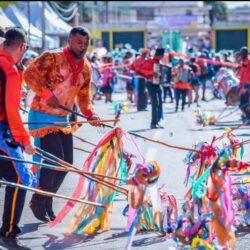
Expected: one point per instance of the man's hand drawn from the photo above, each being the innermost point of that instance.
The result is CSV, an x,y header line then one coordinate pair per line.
x,y
30,150
53,101
93,118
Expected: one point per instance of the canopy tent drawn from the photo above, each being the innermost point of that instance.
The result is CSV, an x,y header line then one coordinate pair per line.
x,y
35,34
54,25
4,20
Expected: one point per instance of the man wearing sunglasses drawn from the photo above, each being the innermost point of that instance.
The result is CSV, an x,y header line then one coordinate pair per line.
x,y
13,138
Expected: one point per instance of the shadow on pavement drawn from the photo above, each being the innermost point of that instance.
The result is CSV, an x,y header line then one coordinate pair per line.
x,y
148,241
68,240
117,235
140,130
243,135
206,129
30,227
242,231
170,112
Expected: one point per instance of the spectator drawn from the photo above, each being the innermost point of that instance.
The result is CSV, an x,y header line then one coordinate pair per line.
x,y
182,77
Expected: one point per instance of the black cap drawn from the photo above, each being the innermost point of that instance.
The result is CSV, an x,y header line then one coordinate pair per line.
x,y
244,52
159,52
244,49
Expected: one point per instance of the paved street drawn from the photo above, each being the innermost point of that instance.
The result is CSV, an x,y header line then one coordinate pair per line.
x,y
180,129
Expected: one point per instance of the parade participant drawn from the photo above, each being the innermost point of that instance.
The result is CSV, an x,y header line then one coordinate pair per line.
x,y
206,73
151,70
218,65
244,85
13,138
194,81
237,59
96,77
182,76
166,77
129,84
107,78
140,80
58,78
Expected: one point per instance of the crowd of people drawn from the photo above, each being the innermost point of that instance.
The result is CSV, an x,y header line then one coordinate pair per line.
x,y
153,75
64,78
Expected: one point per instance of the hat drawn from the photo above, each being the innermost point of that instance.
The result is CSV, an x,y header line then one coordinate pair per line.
x,y
2,39
159,52
144,51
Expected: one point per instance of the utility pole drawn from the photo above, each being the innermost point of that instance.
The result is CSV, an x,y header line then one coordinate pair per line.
x,y
43,25
77,16
94,22
28,2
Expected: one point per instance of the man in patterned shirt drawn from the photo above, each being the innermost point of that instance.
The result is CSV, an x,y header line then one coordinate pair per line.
x,y
58,78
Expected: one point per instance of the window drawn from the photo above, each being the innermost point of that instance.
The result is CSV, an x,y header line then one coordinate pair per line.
x,y
189,12
145,14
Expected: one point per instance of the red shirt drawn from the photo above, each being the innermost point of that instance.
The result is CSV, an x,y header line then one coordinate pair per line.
x,y
136,65
244,72
147,68
10,88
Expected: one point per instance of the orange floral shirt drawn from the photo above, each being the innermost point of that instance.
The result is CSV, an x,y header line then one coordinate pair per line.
x,y
50,74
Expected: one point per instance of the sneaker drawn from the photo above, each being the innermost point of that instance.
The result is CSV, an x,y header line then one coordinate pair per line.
x,y
160,126
156,126
39,211
51,214
204,99
49,209
12,243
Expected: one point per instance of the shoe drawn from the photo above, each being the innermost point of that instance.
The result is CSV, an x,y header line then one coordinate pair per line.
x,y
49,209
156,126
153,126
182,109
176,109
160,126
50,214
12,243
39,211
204,99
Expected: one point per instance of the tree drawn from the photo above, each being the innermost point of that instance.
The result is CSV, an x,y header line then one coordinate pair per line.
x,y
218,11
4,4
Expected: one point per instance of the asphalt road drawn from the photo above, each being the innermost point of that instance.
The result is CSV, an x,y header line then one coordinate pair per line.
x,y
180,129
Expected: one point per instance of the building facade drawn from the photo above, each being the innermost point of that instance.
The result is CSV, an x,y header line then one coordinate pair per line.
x,y
142,23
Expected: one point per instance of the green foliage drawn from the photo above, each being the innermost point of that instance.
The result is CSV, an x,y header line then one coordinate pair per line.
x,y
4,4
218,11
